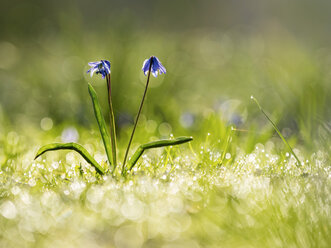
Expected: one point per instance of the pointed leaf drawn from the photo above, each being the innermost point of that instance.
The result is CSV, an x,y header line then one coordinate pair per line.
x,y
101,122
155,144
71,146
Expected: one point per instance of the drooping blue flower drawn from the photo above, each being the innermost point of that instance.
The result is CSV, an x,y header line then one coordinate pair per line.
x,y
156,66
100,67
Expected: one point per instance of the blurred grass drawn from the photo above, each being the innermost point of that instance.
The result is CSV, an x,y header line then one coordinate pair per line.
x,y
209,70
291,81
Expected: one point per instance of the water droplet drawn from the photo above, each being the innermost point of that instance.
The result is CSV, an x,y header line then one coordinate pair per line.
x,y
8,210
32,182
15,190
69,134
55,165
46,123
165,129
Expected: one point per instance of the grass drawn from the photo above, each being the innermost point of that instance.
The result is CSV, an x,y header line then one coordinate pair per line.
x,y
183,196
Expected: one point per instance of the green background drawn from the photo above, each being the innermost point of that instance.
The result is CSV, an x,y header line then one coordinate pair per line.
x,y
217,54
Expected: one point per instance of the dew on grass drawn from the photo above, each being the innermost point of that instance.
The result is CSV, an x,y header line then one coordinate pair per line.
x,y
15,190
55,165
166,204
95,194
77,188
32,182
132,208
8,210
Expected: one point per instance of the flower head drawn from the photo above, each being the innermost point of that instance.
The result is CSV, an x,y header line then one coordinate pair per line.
x,y
100,67
155,64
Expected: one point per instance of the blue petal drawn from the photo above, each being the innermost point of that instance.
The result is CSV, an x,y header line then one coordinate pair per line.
x,y
154,73
92,70
106,65
104,73
100,67
156,66
93,63
160,66
146,65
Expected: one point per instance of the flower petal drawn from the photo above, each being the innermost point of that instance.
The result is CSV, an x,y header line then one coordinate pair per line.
x,y
106,66
154,73
146,65
92,70
93,63
100,67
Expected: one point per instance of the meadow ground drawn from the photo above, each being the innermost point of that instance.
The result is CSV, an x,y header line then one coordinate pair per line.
x,y
210,193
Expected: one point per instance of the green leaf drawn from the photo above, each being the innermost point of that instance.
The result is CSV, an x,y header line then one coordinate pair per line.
x,y
71,146
156,144
101,122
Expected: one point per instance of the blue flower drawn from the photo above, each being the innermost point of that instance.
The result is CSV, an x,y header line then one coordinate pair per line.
x,y
156,66
101,67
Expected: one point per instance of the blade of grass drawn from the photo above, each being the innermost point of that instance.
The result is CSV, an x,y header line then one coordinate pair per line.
x,y
101,123
155,144
277,130
71,146
227,144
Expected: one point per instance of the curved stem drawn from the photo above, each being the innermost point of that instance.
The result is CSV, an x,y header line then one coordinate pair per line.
x,y
137,118
111,123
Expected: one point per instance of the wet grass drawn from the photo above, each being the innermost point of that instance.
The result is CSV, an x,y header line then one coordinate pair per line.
x,y
197,195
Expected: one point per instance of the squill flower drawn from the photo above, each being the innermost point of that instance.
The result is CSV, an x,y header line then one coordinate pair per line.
x,y
155,65
100,67
103,67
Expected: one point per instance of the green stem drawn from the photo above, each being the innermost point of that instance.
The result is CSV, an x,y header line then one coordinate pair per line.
x,y
112,123
277,130
137,118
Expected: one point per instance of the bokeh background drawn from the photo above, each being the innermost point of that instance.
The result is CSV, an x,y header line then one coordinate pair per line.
x,y
217,54
238,188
